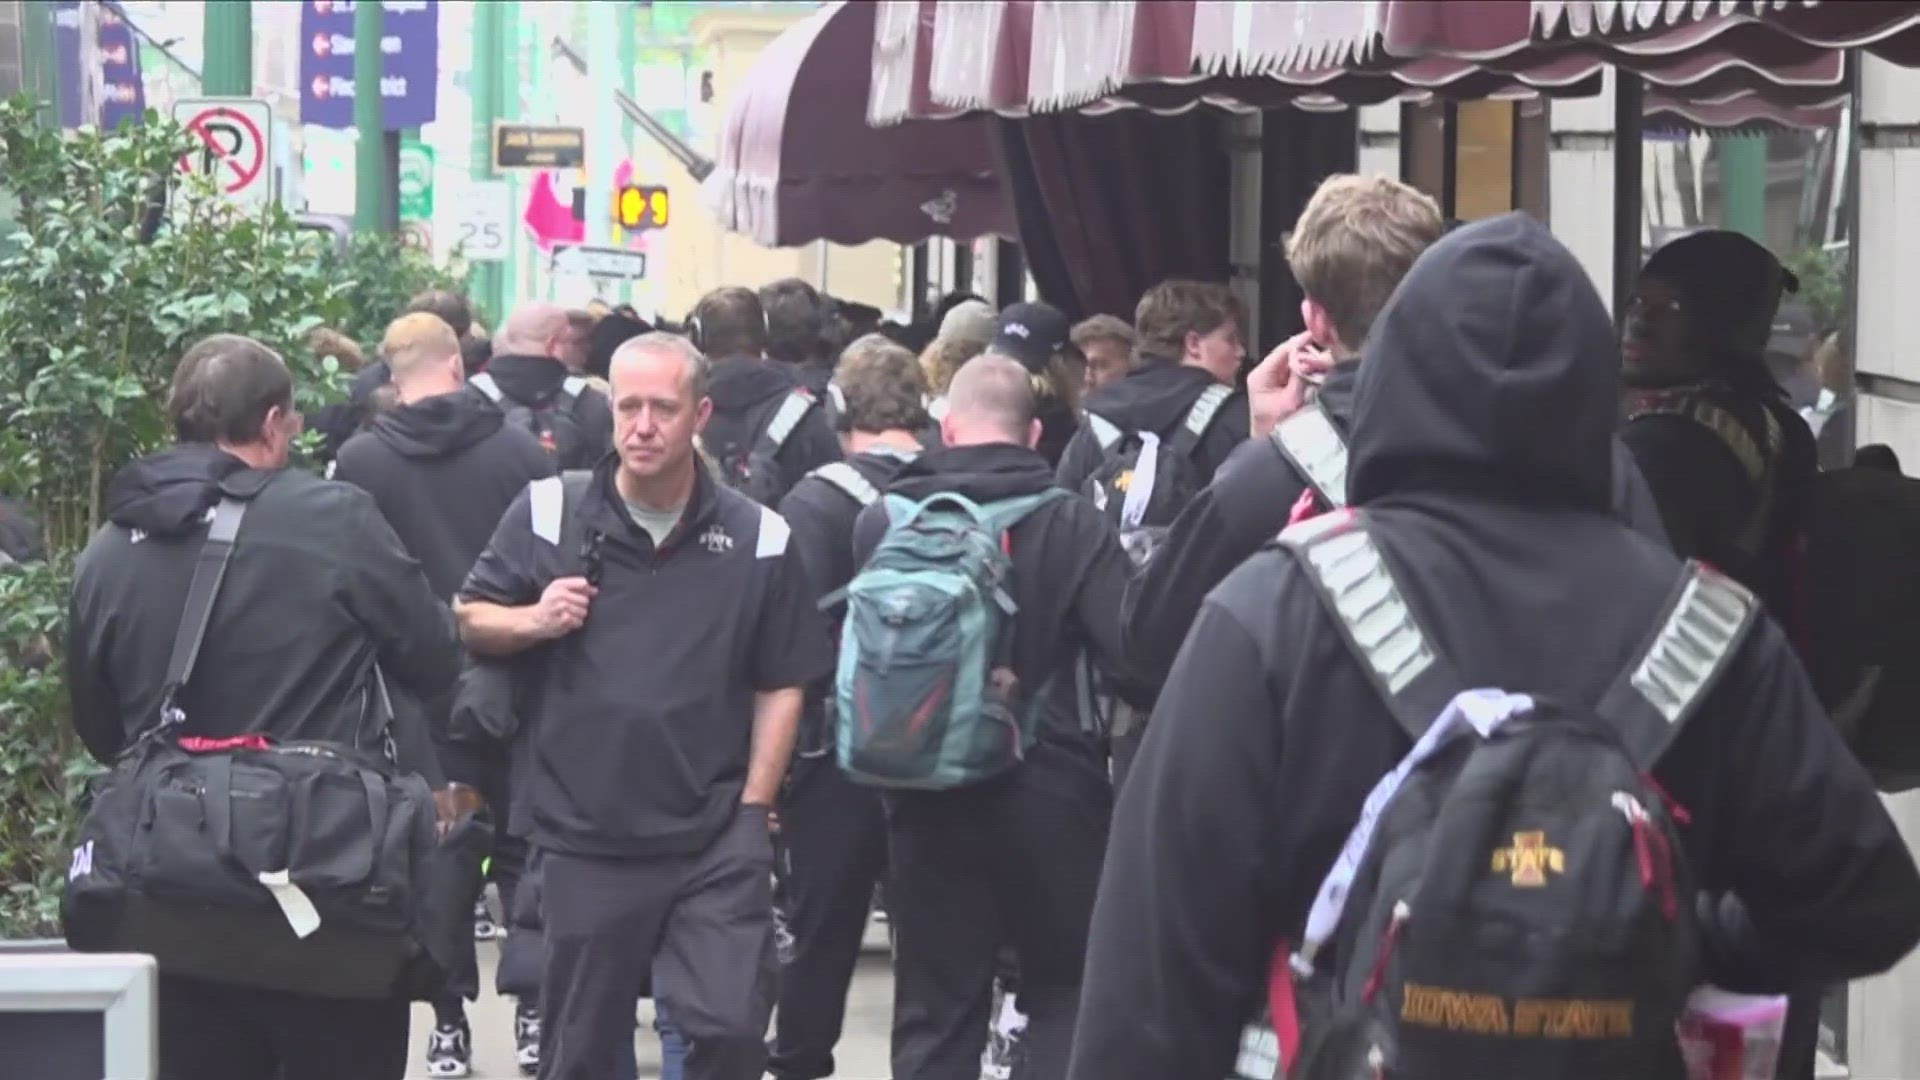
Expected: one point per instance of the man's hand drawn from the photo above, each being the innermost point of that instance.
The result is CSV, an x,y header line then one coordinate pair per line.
x,y
1279,386
562,608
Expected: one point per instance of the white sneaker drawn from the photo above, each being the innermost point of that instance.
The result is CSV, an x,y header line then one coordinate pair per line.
x,y
450,1051
526,1040
484,928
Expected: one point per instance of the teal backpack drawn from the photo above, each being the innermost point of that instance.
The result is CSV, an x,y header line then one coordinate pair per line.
x,y
925,693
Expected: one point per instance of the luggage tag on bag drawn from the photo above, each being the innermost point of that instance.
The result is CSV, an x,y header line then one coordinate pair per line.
x,y
293,901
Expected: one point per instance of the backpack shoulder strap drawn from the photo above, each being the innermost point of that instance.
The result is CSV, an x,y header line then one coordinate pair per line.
x,y
849,481
1316,450
556,503
1700,628
572,388
209,570
1200,417
485,383
1105,431
937,408
1357,588
785,419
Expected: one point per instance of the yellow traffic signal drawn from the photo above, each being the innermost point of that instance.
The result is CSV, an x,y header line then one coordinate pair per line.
x,y
638,208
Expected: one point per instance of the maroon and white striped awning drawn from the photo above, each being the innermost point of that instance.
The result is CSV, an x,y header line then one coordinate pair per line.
x,y
944,58
797,162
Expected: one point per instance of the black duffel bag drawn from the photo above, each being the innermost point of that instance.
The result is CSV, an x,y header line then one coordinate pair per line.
x,y
299,866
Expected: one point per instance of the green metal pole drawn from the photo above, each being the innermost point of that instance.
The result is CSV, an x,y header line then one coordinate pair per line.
x,y
40,71
507,93
227,35
487,276
1743,185
371,172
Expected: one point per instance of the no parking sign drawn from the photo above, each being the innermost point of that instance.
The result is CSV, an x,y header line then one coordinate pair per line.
x,y
233,139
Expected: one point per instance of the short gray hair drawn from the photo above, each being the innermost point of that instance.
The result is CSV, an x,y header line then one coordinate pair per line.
x,y
996,390
699,370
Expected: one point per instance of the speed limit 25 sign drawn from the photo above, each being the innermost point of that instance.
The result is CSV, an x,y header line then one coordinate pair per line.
x,y
482,215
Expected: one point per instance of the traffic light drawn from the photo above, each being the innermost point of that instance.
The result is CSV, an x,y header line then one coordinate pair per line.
x,y
640,207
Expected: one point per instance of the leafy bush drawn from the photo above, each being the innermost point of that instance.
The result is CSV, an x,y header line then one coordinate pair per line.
x,y
1823,284
118,264
381,274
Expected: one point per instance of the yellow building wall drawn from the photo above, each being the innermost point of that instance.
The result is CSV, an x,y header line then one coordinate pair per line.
x,y
696,254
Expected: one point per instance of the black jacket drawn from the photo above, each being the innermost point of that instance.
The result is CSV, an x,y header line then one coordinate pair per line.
x,y
822,517
532,379
442,471
1246,505
318,589
1705,494
1155,397
1068,569
1481,455
640,722
746,392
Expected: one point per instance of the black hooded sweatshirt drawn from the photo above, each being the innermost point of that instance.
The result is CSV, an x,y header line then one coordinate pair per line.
x,y
533,379
442,471
1156,397
317,590
1068,570
1246,505
746,392
1481,457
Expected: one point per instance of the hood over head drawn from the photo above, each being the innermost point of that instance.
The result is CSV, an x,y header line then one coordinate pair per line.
x,y
527,378
1493,372
1732,285
742,382
439,425
981,473
170,492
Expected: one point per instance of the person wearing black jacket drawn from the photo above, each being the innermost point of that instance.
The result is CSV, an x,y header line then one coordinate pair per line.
x,y
443,466
318,591
670,634
1726,454
529,368
1352,245
1189,341
1482,453
1014,858
833,830
752,396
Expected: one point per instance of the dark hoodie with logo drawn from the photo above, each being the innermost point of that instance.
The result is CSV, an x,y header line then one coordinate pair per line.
x,y
443,470
317,590
1068,569
1481,444
1156,397
1246,505
747,392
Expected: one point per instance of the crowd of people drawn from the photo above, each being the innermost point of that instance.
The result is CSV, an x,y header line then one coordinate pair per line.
x,y
1081,646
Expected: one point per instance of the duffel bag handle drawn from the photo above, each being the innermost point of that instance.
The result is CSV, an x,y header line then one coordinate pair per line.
x,y
379,811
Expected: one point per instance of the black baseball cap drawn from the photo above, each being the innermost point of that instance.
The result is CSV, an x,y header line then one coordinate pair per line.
x,y
1032,333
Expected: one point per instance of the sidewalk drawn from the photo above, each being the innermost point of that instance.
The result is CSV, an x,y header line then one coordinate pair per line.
x,y
862,1054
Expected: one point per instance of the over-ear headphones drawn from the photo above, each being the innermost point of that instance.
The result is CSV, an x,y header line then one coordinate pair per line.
x,y
697,337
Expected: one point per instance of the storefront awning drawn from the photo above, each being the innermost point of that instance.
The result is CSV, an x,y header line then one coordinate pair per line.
x,y
1021,57
798,162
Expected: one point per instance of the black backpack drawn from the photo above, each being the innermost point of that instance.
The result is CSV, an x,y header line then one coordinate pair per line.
x,y
1853,582
1514,900
753,468
551,419
1143,481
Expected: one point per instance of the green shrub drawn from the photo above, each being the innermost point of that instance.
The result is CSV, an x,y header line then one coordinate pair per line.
x,y
115,265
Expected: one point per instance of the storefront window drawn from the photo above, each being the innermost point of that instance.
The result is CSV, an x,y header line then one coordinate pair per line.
x,y
1791,190
1499,151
